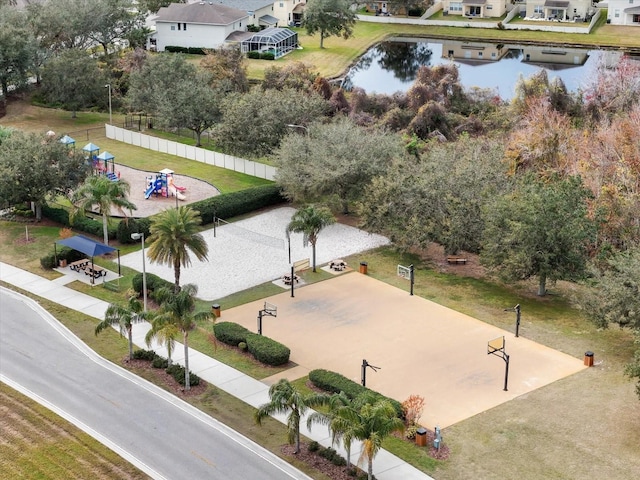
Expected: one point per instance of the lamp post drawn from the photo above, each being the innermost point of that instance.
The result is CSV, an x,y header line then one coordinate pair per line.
x,y
108,85
138,236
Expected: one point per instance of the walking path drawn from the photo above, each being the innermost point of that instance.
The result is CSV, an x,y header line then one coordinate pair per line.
x,y
254,392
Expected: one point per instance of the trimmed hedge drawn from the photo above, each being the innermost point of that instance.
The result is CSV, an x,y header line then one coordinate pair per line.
x,y
267,56
238,203
335,383
132,225
253,54
154,283
177,372
84,224
65,253
191,50
267,350
231,333
148,355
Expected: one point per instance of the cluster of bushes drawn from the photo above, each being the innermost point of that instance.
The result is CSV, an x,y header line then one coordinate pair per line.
x,y
261,55
191,50
335,458
154,283
175,370
84,224
415,12
132,225
335,383
49,261
264,349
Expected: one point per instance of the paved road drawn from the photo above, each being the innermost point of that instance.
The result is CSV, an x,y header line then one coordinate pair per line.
x,y
158,432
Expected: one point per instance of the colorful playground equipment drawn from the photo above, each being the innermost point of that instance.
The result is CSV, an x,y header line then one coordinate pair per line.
x,y
163,185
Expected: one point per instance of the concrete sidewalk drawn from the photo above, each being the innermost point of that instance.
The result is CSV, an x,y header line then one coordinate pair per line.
x,y
254,392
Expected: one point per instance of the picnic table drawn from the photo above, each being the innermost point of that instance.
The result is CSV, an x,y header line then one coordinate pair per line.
x,y
95,271
286,278
338,265
79,265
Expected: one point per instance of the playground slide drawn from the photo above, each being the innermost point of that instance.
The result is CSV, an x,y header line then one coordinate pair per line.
x,y
149,191
173,191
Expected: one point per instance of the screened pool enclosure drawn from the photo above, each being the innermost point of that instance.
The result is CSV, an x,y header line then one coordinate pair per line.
x,y
278,41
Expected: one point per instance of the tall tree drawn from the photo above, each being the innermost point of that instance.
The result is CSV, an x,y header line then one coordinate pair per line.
x,y
341,429
285,398
440,198
228,68
174,233
176,92
33,166
254,123
165,331
178,309
73,81
103,194
310,221
17,49
371,422
540,230
334,162
330,18
124,317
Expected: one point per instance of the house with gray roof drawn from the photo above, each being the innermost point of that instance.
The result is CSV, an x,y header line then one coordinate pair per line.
x,y
260,11
201,24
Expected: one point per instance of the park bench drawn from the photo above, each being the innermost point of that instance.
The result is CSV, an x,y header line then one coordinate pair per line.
x,y
456,260
79,265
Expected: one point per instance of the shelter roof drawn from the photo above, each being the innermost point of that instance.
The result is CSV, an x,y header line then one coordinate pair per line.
x,y
67,140
90,147
105,156
272,35
86,245
203,13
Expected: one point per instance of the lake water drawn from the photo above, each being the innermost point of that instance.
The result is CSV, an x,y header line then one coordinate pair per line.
x,y
392,66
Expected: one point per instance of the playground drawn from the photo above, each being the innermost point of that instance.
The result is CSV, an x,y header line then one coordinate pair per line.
x,y
421,347
193,190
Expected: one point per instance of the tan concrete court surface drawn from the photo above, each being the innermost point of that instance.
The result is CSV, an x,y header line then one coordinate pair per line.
x,y
422,348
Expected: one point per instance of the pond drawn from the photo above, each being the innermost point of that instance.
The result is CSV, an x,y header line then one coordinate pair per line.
x,y
392,66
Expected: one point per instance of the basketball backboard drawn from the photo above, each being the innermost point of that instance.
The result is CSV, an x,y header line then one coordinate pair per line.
x,y
495,345
270,309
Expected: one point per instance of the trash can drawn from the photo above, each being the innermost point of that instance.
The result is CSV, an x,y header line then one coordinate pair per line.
x,y
363,267
215,309
421,437
588,359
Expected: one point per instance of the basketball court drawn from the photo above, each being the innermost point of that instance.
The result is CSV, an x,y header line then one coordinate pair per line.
x,y
421,347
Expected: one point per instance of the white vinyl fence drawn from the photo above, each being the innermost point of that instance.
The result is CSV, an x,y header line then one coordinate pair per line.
x,y
198,154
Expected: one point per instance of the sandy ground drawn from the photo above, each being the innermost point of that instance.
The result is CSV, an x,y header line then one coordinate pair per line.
x,y
239,259
195,190
421,347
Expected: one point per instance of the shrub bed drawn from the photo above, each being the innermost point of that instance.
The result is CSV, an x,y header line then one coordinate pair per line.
x,y
267,350
335,383
84,224
49,261
177,372
132,225
154,283
231,333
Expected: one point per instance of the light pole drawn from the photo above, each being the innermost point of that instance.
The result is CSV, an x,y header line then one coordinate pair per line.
x,y
108,85
138,236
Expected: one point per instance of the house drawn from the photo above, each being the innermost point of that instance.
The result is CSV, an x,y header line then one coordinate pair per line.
x,y
202,24
289,12
475,8
559,9
624,12
261,12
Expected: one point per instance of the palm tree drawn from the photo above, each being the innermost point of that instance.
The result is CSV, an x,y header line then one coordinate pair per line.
x,y
177,311
125,317
164,332
103,193
285,398
309,221
371,423
338,427
174,233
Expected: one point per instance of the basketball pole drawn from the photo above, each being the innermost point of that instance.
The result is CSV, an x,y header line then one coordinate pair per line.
x,y
411,279
260,322
506,370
